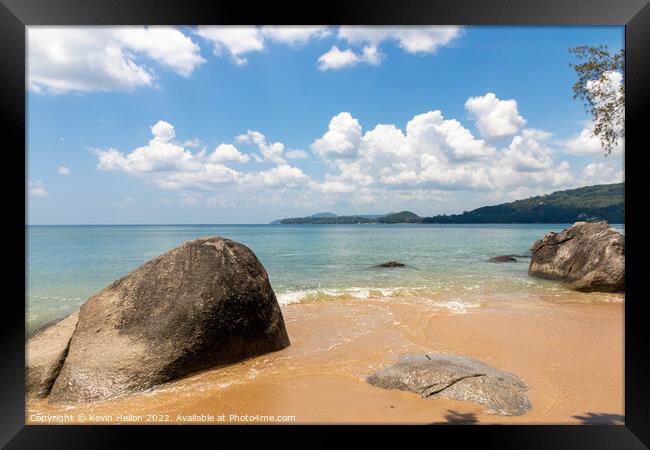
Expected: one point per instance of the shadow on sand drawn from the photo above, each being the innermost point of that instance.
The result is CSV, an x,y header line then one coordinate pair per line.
x,y
458,418
601,419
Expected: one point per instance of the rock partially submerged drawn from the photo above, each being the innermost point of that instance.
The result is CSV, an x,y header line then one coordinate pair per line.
x,y
389,264
506,258
203,304
588,256
502,259
45,353
436,375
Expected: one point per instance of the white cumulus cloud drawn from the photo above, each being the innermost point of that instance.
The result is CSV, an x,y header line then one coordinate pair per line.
x,y
283,175
342,138
296,154
294,34
159,155
432,154
602,173
587,143
336,58
226,153
167,164
236,40
495,118
36,189
432,158
87,59
269,151
63,170
528,152
412,39
194,142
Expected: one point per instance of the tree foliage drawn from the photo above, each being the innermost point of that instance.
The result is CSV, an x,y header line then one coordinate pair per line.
x,y
601,86
586,203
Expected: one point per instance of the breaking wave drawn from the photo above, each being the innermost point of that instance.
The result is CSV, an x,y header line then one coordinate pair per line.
x,y
301,295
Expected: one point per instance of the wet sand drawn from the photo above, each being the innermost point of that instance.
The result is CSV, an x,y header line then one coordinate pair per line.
x,y
569,351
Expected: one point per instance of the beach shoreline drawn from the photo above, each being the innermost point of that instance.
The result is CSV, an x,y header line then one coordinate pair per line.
x,y
568,350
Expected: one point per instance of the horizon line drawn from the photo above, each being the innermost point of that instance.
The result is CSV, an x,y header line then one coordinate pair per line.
x,y
285,224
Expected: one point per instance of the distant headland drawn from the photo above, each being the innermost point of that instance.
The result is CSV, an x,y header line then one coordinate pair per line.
x,y
599,202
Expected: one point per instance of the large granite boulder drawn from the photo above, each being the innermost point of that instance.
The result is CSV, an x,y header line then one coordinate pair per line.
x,y
203,304
588,256
436,375
46,349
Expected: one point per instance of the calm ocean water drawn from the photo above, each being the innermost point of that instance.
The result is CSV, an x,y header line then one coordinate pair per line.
x,y
67,264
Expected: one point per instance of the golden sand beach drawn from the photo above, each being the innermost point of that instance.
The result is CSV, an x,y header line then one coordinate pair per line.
x,y
569,350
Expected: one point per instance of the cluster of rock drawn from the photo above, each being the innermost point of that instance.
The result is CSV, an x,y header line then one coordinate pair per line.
x,y
203,304
209,303
588,256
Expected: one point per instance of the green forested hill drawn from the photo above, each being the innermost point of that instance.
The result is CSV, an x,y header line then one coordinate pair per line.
x,y
400,217
605,201
327,220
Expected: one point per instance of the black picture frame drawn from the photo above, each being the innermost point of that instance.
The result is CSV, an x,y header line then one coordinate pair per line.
x,y
15,15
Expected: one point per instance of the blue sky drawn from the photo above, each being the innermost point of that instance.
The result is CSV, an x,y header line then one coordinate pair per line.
x,y
247,125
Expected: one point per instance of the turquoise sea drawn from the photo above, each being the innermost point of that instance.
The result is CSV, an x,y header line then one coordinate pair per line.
x,y
67,264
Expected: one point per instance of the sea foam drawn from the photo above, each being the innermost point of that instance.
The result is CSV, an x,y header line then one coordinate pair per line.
x,y
457,307
297,296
